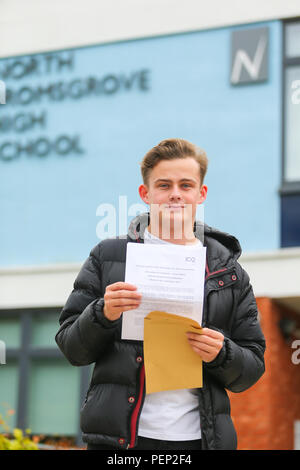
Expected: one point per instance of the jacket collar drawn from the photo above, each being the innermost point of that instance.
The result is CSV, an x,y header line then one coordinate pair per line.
x,y
223,249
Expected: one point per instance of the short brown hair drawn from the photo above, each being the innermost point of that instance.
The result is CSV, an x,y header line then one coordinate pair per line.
x,y
170,149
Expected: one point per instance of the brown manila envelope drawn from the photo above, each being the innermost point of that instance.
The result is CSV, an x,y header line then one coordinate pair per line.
x,y
170,361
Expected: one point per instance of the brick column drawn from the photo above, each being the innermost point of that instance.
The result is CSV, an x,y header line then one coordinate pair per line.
x,y
264,415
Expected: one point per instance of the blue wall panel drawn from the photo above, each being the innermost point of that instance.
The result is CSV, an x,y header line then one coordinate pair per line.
x,y
48,204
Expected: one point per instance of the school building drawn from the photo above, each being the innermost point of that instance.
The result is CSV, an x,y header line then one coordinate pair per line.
x,y
85,99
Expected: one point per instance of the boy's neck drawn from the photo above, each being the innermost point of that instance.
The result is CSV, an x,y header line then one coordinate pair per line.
x,y
188,238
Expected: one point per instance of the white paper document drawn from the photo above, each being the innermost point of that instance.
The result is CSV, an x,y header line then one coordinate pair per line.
x,y
170,279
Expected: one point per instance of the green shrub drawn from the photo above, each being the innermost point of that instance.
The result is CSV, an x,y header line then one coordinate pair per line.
x,y
19,441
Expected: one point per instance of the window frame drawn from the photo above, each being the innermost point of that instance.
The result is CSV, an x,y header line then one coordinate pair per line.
x,y
287,187
26,353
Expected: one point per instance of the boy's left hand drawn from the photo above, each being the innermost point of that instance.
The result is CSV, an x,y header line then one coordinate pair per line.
x,y
208,344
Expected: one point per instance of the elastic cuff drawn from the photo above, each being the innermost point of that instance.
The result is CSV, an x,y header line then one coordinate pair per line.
x,y
219,359
102,318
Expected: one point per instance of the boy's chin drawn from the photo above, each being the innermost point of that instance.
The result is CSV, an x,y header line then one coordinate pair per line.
x,y
177,218
179,213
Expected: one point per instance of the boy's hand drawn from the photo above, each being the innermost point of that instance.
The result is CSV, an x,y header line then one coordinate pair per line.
x,y
207,344
120,297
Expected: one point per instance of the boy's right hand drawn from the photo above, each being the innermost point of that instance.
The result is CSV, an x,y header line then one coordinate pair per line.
x,y
120,297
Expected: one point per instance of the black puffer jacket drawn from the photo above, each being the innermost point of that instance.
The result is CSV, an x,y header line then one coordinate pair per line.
x,y
110,413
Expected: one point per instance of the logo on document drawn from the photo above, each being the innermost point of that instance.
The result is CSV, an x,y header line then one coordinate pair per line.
x,y
190,259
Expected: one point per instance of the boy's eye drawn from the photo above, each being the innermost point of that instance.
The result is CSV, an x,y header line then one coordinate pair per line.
x,y
165,185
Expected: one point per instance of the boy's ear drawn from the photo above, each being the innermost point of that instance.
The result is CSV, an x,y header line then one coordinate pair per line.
x,y
143,192
202,194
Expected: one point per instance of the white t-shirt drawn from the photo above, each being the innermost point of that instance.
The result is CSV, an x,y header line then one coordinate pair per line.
x,y
171,415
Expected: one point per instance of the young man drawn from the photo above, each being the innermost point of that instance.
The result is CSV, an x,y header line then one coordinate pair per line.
x,y
116,413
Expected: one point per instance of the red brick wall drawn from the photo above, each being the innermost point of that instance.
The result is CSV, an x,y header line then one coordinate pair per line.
x,y
264,415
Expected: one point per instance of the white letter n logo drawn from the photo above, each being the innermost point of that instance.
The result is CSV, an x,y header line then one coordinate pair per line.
x,y
252,67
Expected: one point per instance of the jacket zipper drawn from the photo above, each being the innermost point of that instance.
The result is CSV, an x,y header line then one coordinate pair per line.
x,y
134,416
205,385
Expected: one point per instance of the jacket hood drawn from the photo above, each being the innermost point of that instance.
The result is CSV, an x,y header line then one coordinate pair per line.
x,y
222,248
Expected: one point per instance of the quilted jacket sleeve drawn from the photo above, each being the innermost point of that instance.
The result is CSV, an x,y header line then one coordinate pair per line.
x,y
240,362
84,331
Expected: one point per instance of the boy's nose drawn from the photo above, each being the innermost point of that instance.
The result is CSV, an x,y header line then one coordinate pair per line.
x,y
175,194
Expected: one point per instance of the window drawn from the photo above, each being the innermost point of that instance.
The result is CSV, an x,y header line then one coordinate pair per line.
x,y
291,171
290,190
37,381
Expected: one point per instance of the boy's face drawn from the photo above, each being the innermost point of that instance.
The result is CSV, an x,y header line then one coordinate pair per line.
x,y
174,190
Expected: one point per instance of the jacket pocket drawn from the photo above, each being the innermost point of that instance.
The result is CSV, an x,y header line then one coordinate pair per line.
x,y
226,438
106,410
